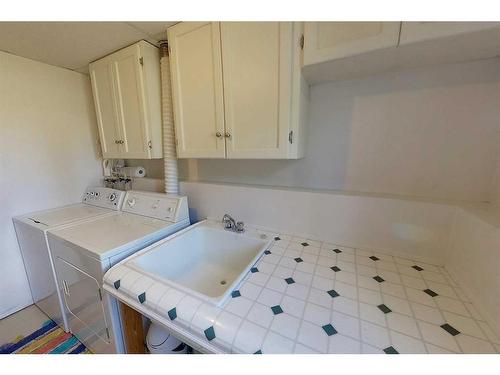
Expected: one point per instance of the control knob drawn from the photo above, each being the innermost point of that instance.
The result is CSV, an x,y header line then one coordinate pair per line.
x,y
112,197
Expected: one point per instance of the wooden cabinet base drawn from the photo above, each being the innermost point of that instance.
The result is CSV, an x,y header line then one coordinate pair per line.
x,y
133,331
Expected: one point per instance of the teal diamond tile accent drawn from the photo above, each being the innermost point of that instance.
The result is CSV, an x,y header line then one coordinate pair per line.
x,y
254,269
277,309
267,252
304,244
258,352
210,333
290,280
333,293
335,269
298,260
142,297
390,350
172,314
235,293
117,284
277,238
337,251
328,328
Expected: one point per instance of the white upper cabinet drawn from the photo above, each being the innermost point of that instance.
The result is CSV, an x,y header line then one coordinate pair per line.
x,y
325,41
418,31
197,93
237,90
126,89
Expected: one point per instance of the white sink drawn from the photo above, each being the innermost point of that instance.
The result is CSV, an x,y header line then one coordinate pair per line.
x,y
204,260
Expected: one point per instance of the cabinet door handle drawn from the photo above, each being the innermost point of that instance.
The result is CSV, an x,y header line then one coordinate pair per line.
x,y
227,135
218,135
117,141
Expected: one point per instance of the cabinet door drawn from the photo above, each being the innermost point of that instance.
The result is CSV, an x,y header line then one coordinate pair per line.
x,y
131,102
195,65
101,76
418,31
257,63
324,41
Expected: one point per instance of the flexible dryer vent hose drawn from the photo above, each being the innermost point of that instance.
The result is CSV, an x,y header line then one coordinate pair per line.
x,y
169,152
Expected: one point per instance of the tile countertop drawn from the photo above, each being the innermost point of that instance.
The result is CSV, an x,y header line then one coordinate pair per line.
x,y
308,296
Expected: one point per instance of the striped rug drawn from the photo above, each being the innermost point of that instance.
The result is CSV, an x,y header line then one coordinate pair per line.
x,y
49,338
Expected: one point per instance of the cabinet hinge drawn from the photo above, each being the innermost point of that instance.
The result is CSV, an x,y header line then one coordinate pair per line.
x,y
141,60
301,42
100,295
290,136
150,145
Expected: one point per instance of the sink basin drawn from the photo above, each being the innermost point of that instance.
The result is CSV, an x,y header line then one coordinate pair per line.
x,y
204,260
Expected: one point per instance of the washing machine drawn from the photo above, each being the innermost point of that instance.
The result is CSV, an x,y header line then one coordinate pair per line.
x,y
84,252
31,230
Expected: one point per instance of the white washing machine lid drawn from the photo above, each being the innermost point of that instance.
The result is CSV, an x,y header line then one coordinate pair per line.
x,y
110,235
65,215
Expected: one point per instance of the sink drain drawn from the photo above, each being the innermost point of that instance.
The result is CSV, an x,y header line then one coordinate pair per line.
x,y
223,282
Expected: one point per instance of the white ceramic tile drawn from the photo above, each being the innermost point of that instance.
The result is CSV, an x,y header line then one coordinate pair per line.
x,y
322,283
419,296
427,313
346,277
433,349
437,336
287,262
393,289
366,271
313,336
368,349
293,306
276,284
277,344
390,276
261,315
297,290
203,318
327,261
371,314
324,272
473,345
265,267
473,311
429,267
311,250
404,261
305,267
464,325
369,296
302,277
140,286
489,332
320,297
317,314
413,282
239,306
442,289
226,326
407,345
154,294
169,301
272,258
339,344
346,257
346,290
128,281
368,283
250,338
286,325
310,258
408,271
433,276
388,266
269,297
397,304
346,325
258,278
282,272
364,260
403,324
346,306
452,305
250,291
302,349
374,335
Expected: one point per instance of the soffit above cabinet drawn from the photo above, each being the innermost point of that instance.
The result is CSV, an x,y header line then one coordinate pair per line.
x,y
73,45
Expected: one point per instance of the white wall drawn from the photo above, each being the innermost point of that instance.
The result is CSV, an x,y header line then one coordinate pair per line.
x,y
48,154
415,229
432,132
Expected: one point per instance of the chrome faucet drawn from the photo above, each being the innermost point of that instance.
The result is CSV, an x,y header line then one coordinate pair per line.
x,y
231,224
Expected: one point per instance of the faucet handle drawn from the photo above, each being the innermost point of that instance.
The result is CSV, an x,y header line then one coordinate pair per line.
x,y
240,226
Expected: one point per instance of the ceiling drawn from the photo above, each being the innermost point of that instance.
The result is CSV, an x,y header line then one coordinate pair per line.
x,y
73,45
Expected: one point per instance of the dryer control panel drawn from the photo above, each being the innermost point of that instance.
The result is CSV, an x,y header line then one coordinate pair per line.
x,y
104,197
172,208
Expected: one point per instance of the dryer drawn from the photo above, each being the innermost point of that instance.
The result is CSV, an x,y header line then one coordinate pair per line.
x,y
31,231
85,251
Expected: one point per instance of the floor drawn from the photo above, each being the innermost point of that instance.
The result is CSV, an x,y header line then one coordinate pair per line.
x,y
21,323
